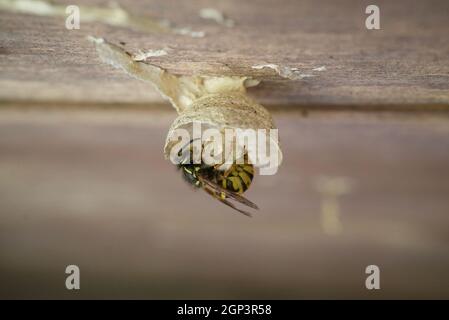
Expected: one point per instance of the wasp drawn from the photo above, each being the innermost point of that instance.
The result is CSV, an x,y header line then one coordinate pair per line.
x,y
223,185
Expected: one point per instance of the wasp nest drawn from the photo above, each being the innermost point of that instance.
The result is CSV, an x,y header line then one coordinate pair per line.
x,y
217,102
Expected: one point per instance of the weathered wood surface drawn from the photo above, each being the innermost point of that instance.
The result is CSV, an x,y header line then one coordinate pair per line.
x,y
404,64
92,188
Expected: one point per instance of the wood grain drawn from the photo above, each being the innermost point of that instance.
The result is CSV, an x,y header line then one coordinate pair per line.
x,y
405,64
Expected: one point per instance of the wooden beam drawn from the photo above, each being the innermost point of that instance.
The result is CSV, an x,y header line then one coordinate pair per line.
x,y
405,63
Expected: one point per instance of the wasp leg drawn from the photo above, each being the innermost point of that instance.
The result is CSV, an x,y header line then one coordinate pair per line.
x,y
227,172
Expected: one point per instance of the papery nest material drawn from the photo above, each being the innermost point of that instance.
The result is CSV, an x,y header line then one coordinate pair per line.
x,y
217,102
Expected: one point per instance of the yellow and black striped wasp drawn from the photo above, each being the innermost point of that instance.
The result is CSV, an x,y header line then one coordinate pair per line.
x,y
223,185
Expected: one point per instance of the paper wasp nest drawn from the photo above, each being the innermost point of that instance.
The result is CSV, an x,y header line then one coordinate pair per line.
x,y
217,102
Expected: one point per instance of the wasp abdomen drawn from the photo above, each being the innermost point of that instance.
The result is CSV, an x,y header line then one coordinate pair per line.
x,y
237,179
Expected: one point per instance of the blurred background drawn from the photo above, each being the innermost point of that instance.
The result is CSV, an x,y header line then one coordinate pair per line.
x,y
364,181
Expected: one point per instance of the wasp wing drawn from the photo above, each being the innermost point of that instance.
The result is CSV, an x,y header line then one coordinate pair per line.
x,y
213,193
218,190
